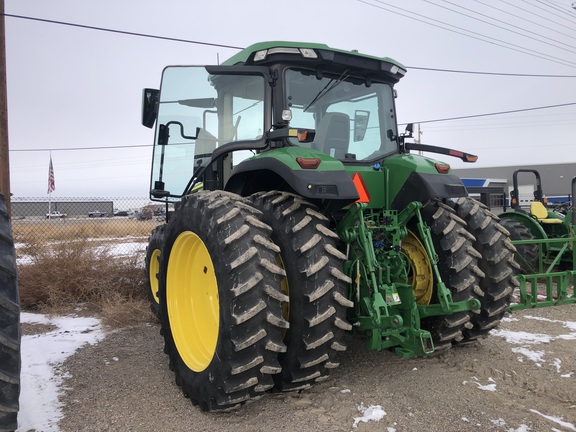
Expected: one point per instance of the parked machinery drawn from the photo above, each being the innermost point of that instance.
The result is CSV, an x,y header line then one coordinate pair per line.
x,y
301,214
537,222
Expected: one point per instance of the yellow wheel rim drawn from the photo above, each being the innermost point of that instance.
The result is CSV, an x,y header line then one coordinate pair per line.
x,y
192,301
421,276
153,269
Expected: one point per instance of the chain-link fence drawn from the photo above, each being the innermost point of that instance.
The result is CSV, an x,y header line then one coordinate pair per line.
x,y
119,226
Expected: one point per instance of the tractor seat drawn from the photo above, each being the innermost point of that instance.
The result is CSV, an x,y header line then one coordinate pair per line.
x,y
333,135
538,211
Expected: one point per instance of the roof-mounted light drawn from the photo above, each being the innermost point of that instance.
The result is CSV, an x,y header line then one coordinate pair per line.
x,y
260,55
283,50
304,52
308,53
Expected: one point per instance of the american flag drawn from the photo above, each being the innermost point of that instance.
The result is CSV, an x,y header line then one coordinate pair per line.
x,y
51,184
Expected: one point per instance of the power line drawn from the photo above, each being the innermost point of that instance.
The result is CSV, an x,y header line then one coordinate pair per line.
x,y
548,11
491,73
524,19
501,27
400,124
536,14
240,48
122,32
565,10
410,15
81,148
491,114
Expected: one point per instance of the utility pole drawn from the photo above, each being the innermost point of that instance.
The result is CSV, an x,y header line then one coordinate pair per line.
x,y
4,159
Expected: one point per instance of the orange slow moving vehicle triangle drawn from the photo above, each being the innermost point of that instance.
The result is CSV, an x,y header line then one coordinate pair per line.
x,y
361,188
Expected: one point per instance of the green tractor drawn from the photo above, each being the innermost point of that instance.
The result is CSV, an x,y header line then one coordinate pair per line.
x,y
543,234
300,214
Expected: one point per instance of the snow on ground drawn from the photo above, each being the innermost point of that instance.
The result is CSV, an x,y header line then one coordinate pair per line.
x,y
44,353
41,376
526,340
373,412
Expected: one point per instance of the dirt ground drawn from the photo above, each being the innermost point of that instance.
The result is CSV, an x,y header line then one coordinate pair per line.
x,y
124,384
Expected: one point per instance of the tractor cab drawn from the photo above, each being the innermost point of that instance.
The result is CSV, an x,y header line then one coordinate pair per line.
x,y
337,106
297,117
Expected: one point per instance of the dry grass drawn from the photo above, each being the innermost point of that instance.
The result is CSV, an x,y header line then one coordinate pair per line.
x,y
70,272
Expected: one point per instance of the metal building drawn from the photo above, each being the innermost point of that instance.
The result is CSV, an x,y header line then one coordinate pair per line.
x,y
556,179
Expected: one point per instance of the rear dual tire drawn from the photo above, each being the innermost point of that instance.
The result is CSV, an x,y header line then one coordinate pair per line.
x,y
316,287
496,262
220,300
458,267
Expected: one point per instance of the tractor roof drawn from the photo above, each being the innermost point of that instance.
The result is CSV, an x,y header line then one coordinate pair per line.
x,y
266,53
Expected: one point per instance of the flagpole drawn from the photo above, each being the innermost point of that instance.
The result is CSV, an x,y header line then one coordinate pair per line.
x,y
50,186
49,190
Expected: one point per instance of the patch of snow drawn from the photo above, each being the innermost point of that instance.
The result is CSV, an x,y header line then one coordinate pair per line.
x,y
372,413
42,355
536,356
558,420
518,338
522,428
568,324
499,422
557,363
485,387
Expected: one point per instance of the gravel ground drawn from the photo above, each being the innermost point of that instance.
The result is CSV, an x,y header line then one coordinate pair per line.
x,y
124,384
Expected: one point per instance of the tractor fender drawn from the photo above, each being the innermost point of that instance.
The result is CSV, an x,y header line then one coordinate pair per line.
x,y
330,190
420,186
529,222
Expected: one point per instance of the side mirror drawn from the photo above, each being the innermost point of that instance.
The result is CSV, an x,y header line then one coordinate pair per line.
x,y
361,118
409,130
150,102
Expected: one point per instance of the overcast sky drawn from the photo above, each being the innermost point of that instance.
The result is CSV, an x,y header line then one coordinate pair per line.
x,y
72,88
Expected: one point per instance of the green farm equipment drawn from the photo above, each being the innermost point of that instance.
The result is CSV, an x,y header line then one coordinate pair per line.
x,y
536,222
9,326
301,214
544,240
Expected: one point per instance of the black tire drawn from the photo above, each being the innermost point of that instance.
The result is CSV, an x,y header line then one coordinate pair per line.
x,y
9,326
497,264
458,267
153,251
526,254
315,285
220,299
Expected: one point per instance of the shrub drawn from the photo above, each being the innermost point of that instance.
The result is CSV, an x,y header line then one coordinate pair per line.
x,y
59,275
